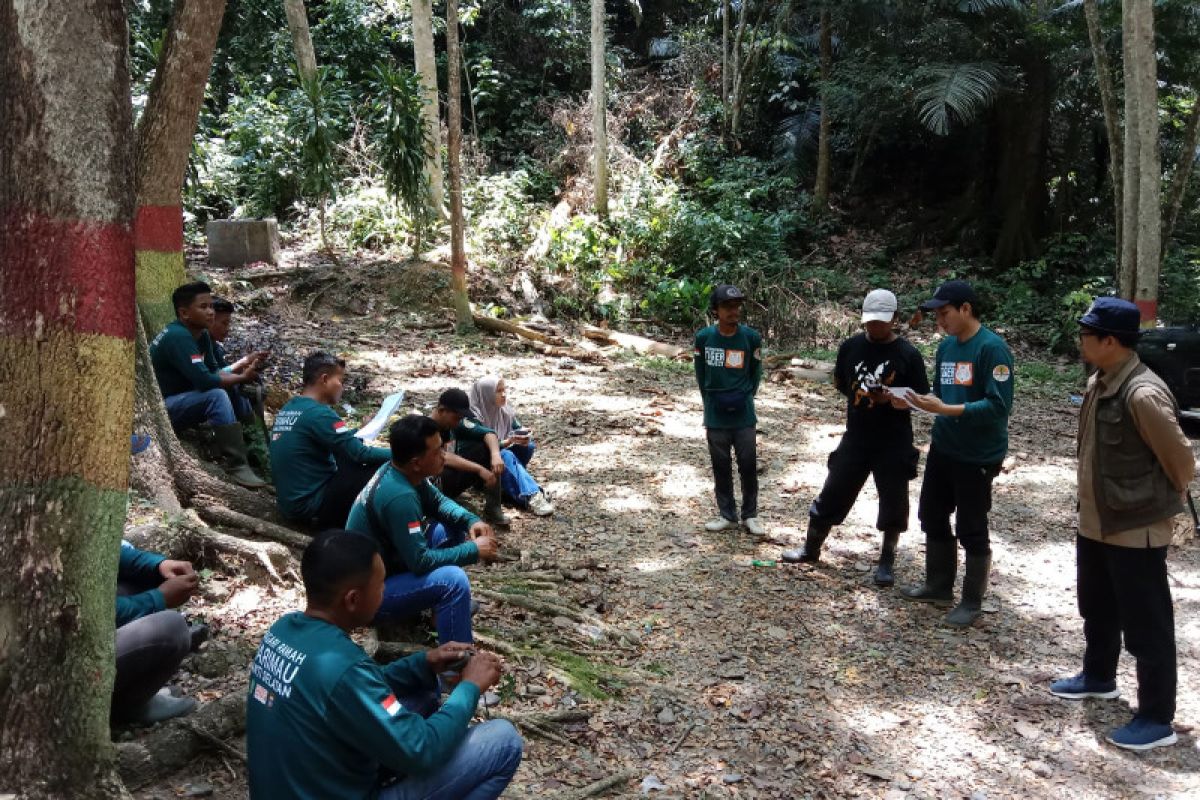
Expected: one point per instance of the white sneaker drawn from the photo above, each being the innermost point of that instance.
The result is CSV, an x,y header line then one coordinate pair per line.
x,y
718,524
540,506
754,526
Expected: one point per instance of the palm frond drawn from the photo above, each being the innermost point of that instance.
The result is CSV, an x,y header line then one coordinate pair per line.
x,y
980,6
952,93
796,134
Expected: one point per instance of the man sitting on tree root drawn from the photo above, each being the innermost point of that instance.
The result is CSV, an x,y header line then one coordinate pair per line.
x,y
152,639
324,720
473,457
193,386
248,398
326,465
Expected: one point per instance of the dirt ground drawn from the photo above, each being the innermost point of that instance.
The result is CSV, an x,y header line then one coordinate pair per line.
x,y
703,675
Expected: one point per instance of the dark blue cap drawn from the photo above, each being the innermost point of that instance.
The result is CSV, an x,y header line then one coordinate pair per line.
x,y
1112,315
956,292
723,292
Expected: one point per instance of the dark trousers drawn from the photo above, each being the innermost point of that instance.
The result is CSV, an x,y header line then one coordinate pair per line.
x,y
1124,590
341,492
742,442
893,465
955,487
149,650
456,481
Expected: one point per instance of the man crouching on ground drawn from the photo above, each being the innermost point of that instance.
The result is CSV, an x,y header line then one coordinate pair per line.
x,y
323,720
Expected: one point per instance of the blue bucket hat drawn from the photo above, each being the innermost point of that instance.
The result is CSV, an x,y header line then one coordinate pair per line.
x,y
1112,315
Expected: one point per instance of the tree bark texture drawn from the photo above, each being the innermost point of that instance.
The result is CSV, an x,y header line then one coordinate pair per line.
x,y
458,245
599,111
1142,218
302,43
66,386
725,76
426,63
164,143
1108,101
1183,172
821,189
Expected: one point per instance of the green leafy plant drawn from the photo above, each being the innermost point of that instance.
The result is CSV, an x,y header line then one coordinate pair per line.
x,y
401,139
314,122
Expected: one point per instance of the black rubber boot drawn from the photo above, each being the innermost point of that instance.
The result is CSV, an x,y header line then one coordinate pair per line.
x,y
811,552
493,511
941,565
975,583
233,447
887,559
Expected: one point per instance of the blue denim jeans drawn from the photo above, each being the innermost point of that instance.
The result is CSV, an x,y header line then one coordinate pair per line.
x,y
447,590
480,769
192,408
516,481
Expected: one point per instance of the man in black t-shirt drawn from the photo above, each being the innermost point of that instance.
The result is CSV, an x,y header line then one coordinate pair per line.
x,y
878,438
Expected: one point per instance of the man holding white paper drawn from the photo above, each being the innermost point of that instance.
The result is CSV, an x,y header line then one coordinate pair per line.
x,y
972,396
872,367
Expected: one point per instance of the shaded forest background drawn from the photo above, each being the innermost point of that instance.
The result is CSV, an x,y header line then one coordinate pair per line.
x,y
966,138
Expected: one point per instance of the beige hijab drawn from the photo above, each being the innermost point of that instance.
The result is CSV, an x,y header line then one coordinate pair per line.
x,y
484,408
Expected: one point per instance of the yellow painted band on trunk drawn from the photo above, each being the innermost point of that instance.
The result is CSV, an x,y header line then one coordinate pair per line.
x,y
158,274
66,408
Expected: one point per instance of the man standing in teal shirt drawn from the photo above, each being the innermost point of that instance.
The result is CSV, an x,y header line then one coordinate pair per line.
x,y
325,722
972,396
728,363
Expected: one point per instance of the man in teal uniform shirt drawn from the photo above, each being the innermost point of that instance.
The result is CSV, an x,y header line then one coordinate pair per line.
x,y
728,363
972,396
324,465
193,386
425,537
473,457
325,722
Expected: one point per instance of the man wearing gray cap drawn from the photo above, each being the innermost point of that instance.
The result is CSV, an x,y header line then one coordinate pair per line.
x,y
972,397
1134,465
878,438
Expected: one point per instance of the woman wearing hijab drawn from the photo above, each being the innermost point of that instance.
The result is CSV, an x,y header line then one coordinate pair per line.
x,y
489,405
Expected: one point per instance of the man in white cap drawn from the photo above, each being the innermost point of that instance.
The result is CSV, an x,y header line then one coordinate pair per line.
x,y
878,439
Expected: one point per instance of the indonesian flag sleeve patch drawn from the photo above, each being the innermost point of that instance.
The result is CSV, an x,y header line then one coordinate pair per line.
x,y
197,358
340,426
414,528
391,705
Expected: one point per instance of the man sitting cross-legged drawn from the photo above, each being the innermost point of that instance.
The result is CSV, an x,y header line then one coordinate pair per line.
x,y
422,534
323,465
193,386
152,638
473,458
323,720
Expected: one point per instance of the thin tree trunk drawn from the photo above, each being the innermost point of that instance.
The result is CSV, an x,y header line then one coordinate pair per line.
x,y
164,144
422,17
821,189
302,44
458,249
726,78
1183,172
1112,122
735,105
67,318
599,103
1142,218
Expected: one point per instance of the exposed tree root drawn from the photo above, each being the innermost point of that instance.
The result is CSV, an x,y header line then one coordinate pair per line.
x,y
175,743
216,514
598,788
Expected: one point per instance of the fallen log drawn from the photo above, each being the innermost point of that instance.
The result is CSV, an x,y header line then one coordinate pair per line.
x,y
502,326
639,344
176,742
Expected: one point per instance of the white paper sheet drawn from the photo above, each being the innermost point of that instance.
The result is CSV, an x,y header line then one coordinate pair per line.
x,y
906,394
372,428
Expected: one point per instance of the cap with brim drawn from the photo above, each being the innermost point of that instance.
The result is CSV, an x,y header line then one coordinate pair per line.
x,y
950,292
879,306
724,292
1112,315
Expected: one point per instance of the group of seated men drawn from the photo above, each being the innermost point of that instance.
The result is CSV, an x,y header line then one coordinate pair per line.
x,y
392,544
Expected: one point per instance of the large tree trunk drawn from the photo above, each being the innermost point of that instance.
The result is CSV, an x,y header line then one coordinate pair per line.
x,y
1020,197
66,386
1108,100
164,142
458,249
1183,172
422,17
599,106
1142,219
821,189
302,43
